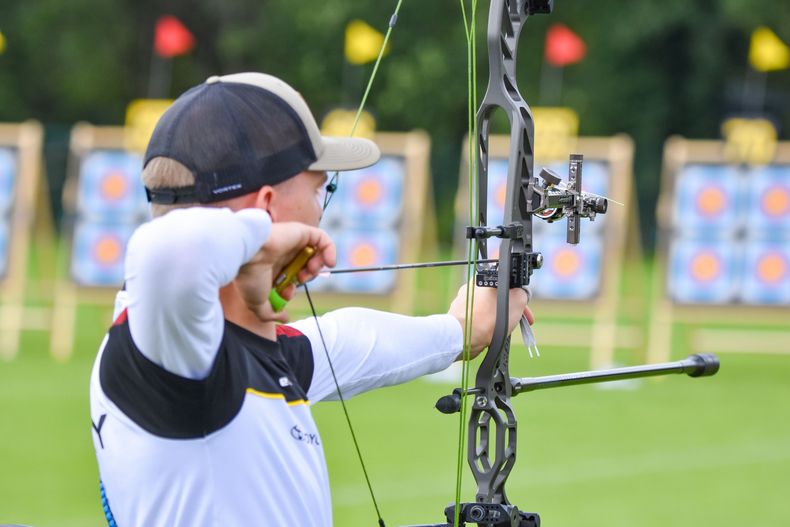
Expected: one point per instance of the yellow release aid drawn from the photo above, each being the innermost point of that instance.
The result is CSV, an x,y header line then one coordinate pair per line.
x,y
288,276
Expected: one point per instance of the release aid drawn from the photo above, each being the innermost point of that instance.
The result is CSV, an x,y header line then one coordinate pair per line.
x,y
288,276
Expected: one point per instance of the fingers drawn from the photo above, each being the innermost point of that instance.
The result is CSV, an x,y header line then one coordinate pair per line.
x,y
528,314
289,292
326,254
265,313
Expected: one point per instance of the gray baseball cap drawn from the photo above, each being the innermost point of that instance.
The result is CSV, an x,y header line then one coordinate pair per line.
x,y
239,132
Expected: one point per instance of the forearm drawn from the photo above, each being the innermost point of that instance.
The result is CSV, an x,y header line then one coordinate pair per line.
x,y
370,349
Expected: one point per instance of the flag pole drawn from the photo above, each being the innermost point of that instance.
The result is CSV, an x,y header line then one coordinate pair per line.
x,y
160,76
551,78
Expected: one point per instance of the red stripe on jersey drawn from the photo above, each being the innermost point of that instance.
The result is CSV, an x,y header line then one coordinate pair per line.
x,y
288,331
121,318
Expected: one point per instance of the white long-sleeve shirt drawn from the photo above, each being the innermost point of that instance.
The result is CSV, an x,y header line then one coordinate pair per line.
x,y
199,422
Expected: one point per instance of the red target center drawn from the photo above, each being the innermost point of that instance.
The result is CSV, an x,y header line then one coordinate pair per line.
x,y
363,255
776,201
113,186
108,251
711,201
705,267
772,268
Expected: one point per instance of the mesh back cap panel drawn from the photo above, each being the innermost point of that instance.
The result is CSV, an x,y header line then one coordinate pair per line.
x,y
239,132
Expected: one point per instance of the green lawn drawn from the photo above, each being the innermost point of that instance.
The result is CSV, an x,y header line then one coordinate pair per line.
x,y
680,451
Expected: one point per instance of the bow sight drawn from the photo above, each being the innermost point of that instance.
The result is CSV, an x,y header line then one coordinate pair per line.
x,y
551,200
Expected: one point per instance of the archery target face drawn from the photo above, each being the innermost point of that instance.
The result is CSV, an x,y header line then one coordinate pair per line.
x,y
369,197
98,254
365,248
110,187
766,277
703,272
708,200
768,211
569,272
4,248
497,191
8,171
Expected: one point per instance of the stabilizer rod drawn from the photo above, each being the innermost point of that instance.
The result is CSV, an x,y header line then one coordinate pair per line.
x,y
699,365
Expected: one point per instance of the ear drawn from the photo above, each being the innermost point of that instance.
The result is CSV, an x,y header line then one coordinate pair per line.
x,y
264,200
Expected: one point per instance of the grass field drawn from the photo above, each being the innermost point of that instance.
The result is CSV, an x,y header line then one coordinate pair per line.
x,y
679,451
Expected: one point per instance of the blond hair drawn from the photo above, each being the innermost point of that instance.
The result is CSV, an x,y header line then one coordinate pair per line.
x,y
163,172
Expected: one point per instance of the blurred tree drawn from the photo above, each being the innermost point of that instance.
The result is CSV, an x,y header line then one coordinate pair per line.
x,y
652,69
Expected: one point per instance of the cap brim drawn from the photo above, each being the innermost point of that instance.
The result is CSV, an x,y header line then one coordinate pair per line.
x,y
346,153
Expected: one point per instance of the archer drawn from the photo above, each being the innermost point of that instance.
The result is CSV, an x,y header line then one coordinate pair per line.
x,y
201,399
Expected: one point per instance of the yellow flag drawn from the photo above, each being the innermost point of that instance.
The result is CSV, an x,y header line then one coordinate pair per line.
x,y
362,43
767,52
2,43
556,130
141,118
340,122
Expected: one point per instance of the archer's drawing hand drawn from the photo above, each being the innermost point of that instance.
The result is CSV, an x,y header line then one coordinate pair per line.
x,y
484,314
255,278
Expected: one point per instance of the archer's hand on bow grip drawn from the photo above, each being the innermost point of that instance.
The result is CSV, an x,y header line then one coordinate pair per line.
x,y
484,314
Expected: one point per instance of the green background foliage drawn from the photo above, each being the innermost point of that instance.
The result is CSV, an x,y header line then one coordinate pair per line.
x,y
653,69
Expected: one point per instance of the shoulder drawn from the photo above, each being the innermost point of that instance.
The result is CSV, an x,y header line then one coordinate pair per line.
x,y
298,352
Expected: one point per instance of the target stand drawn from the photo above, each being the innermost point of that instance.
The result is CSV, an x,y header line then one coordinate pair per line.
x,y
103,202
723,259
381,215
577,291
21,189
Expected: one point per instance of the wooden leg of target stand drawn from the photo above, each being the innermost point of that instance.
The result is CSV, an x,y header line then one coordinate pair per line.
x,y
64,318
10,328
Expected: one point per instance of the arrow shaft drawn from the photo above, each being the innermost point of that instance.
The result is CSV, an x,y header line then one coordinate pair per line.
x,y
405,266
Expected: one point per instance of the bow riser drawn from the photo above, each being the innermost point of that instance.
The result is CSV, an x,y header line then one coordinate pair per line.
x,y
492,407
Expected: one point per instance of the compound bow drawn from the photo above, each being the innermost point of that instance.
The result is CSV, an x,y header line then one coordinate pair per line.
x,y
492,426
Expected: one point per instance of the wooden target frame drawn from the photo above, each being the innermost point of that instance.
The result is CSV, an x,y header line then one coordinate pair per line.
x,y
416,229
27,140
68,295
770,325
582,323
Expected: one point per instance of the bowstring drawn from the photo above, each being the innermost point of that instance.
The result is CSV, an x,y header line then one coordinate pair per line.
x,y
470,31
345,409
331,187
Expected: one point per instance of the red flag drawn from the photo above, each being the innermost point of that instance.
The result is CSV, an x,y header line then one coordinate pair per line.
x,y
563,46
172,38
